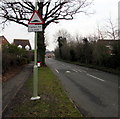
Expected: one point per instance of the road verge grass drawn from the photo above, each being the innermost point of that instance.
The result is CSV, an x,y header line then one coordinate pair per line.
x,y
53,103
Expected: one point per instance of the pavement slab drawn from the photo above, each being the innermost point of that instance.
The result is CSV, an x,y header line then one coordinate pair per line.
x,y
12,86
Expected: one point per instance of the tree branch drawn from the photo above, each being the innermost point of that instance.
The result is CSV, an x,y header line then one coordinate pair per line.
x,y
20,12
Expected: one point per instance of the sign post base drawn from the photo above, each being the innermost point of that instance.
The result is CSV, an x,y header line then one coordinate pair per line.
x,y
35,98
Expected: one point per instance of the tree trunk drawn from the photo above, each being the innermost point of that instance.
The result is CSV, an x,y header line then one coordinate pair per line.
x,y
41,48
41,39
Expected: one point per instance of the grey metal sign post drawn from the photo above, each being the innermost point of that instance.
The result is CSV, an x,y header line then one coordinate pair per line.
x,y
35,27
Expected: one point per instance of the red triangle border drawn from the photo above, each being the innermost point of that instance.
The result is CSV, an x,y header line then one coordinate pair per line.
x,y
38,16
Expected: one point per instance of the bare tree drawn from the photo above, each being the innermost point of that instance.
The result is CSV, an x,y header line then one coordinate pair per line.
x,y
111,29
101,33
92,37
51,11
64,34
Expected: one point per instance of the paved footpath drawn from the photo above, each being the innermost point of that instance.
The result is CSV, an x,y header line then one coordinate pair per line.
x,y
12,86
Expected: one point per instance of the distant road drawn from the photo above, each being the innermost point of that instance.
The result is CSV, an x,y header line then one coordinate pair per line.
x,y
94,92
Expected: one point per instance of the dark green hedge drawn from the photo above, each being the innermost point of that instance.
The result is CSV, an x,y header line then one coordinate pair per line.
x,y
12,56
92,53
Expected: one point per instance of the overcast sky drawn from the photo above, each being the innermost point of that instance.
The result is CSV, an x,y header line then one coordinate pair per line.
x,y
82,24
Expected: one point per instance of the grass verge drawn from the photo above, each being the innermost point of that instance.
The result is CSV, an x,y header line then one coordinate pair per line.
x,y
53,103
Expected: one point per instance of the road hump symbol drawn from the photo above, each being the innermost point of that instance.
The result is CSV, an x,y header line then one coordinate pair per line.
x,y
36,18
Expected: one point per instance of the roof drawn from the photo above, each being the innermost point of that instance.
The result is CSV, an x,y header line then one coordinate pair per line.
x,y
3,40
110,42
22,42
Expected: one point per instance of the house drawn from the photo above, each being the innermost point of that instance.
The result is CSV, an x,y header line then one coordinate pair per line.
x,y
22,43
108,43
3,40
49,54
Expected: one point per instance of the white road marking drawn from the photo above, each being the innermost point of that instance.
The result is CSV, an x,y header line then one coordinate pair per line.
x,y
57,71
95,77
84,71
68,72
79,70
74,70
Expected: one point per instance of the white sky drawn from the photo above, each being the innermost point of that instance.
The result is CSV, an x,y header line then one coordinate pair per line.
x,y
82,24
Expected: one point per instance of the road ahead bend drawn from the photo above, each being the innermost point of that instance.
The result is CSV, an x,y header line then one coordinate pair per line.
x,y
94,92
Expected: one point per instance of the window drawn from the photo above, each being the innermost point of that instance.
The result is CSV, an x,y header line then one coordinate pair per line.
x,y
19,46
27,47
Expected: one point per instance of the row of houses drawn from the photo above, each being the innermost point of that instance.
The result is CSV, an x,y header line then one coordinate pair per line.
x,y
109,44
25,44
21,43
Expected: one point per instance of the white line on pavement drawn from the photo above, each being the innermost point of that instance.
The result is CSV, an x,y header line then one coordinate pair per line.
x,y
57,71
68,72
75,70
79,70
84,71
95,77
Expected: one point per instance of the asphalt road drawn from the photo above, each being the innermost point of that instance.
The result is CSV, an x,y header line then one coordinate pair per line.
x,y
94,92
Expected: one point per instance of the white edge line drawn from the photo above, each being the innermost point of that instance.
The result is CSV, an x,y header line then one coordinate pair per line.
x,y
57,71
84,71
95,77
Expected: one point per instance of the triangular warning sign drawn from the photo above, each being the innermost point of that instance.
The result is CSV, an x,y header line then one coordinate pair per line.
x,y
36,18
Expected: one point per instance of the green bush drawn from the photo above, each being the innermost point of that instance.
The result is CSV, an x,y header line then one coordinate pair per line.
x,y
115,57
93,53
13,56
100,54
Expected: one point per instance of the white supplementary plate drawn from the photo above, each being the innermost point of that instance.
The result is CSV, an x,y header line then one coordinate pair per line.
x,y
35,22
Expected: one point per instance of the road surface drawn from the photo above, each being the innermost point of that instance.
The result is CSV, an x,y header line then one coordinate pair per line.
x,y
94,92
